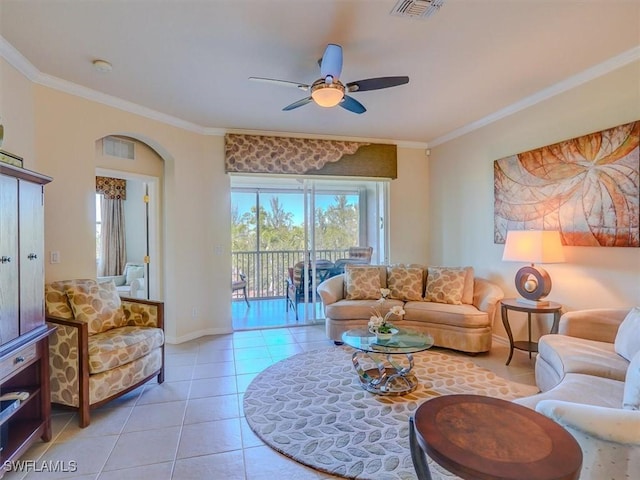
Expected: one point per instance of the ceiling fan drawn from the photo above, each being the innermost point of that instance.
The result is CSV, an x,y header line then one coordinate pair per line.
x,y
329,91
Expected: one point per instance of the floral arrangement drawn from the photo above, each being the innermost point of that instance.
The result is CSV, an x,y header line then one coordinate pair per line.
x,y
378,323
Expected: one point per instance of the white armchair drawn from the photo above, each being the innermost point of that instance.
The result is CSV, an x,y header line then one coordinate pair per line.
x,y
131,283
138,288
609,437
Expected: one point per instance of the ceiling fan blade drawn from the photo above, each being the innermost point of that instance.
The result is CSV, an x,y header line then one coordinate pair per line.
x,y
297,104
331,62
376,83
287,83
351,104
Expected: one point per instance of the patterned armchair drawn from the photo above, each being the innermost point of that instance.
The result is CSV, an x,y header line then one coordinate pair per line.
x,y
103,346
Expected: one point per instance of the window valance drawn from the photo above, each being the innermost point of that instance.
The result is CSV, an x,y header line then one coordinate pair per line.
x,y
112,188
306,156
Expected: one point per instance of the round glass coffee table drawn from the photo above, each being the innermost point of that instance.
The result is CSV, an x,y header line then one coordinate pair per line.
x,y
377,363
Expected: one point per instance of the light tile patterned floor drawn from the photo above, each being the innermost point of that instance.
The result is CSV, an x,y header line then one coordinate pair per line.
x,y
192,426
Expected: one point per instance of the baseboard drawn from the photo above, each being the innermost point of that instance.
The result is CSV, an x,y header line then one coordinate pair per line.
x,y
197,334
501,340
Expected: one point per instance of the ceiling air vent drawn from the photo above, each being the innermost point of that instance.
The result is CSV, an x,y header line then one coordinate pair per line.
x,y
117,147
416,8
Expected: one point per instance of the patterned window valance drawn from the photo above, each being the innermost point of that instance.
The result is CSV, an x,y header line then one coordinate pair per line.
x,y
299,156
112,188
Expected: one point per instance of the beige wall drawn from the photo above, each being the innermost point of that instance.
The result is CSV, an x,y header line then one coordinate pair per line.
x,y
408,203
16,114
438,215
62,138
461,213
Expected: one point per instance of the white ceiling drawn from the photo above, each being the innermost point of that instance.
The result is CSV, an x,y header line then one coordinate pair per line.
x,y
191,59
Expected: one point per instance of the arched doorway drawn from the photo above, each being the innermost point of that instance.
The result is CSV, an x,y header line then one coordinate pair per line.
x,y
141,170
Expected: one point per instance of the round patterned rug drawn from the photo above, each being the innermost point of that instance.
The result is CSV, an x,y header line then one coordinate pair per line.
x,y
311,407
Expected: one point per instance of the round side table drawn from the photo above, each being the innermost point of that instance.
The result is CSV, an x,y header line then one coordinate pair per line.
x,y
485,438
513,304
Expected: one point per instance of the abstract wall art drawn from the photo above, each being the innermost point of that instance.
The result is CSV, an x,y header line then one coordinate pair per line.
x,y
588,188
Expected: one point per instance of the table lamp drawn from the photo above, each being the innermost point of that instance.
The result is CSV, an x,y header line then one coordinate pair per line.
x,y
533,246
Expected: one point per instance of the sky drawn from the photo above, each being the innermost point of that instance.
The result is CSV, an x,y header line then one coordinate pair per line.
x,y
292,202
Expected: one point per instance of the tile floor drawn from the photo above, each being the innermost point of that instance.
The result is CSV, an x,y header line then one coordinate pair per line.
x,y
192,426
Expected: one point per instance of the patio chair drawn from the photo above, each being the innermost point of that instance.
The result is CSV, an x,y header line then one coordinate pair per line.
x,y
240,284
295,285
356,256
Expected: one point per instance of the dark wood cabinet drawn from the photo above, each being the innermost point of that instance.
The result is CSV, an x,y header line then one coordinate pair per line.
x,y
24,351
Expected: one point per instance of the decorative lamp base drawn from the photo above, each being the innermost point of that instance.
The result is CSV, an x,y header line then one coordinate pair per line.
x,y
533,283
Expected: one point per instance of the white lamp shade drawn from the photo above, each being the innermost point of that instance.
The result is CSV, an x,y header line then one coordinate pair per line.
x,y
533,246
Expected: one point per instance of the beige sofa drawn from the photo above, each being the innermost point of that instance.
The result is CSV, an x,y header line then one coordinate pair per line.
x,y
589,377
464,324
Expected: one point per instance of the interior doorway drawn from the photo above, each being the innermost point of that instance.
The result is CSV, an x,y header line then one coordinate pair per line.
x,y
142,229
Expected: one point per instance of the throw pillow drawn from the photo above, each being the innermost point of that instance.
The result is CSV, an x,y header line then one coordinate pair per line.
x,y
362,283
467,293
56,300
445,285
631,397
627,342
97,305
133,273
404,283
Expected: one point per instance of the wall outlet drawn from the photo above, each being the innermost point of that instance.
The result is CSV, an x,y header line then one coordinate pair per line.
x,y
194,312
54,257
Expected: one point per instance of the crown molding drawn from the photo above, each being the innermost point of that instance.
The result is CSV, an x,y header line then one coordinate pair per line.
x,y
24,66
20,62
116,102
585,76
17,60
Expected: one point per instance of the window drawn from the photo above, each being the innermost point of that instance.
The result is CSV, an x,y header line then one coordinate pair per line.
x,y
270,234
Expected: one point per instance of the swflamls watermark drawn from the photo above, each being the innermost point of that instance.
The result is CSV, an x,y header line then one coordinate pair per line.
x,y
54,466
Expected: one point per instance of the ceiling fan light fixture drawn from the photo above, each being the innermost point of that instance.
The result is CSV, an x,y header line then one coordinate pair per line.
x,y
327,94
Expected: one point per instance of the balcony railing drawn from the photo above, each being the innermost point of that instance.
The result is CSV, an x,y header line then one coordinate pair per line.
x,y
267,272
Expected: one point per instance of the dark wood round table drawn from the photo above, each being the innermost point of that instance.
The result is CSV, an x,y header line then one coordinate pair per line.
x,y
478,437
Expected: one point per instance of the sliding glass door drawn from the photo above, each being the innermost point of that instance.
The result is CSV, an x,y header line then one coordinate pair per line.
x,y
290,234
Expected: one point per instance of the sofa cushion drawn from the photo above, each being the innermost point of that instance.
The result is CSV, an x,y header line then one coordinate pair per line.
x,y
627,342
362,283
581,388
98,305
133,272
577,355
111,382
119,346
445,285
359,309
631,397
405,283
441,313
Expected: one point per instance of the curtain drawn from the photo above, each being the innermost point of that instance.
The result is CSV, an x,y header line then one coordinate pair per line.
x,y
113,255
306,156
113,252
